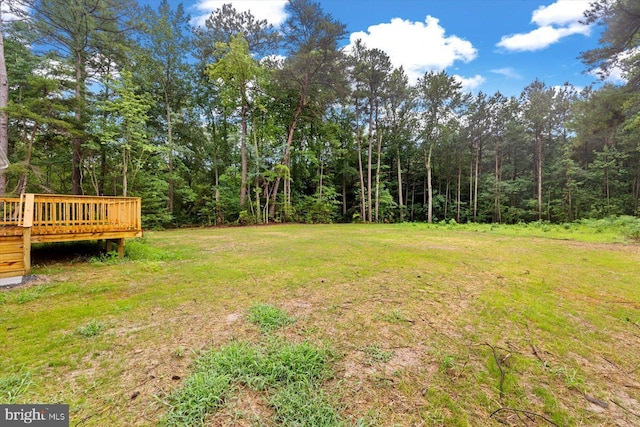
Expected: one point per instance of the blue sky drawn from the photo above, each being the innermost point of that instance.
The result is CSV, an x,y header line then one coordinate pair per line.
x,y
490,45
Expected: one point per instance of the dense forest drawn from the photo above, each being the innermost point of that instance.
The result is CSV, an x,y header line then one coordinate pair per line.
x,y
238,121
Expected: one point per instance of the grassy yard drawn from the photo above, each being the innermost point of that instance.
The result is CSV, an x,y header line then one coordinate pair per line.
x,y
351,325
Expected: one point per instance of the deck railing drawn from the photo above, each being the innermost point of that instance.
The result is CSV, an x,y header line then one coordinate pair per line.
x,y
10,211
58,214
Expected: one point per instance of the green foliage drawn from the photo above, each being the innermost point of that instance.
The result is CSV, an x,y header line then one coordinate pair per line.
x,y
268,317
106,258
91,329
190,137
627,226
142,250
319,209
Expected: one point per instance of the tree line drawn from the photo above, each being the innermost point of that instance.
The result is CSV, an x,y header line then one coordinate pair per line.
x,y
237,121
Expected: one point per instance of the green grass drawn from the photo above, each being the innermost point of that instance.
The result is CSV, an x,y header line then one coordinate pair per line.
x,y
268,317
288,375
13,387
376,354
91,329
410,312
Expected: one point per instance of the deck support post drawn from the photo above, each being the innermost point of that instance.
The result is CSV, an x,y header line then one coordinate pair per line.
x,y
116,245
27,223
26,250
120,243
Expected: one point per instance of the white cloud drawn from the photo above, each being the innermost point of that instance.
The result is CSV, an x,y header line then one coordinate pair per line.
x,y
617,71
12,11
562,12
271,10
556,21
470,83
614,75
507,72
417,46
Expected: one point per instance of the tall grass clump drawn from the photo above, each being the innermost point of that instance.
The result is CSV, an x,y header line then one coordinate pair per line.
x,y
268,317
14,386
289,375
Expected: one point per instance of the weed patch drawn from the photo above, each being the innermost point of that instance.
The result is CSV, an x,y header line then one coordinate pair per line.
x,y
14,386
91,329
268,317
376,354
289,376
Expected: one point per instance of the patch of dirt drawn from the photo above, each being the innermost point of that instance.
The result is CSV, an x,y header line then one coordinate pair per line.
x,y
28,282
357,365
245,408
177,336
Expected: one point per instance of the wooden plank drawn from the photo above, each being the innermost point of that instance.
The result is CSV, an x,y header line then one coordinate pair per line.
x,y
11,274
10,241
49,238
11,252
5,263
27,220
10,231
6,249
12,267
12,260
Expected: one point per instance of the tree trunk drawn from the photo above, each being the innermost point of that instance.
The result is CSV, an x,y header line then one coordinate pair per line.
x,y
400,201
76,174
22,184
429,187
170,181
475,184
470,213
363,210
496,202
243,156
447,193
539,172
378,175
458,195
287,151
413,198
636,195
125,171
369,164
4,102
257,181
321,159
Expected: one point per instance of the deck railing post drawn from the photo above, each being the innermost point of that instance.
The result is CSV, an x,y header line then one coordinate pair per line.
x,y
27,223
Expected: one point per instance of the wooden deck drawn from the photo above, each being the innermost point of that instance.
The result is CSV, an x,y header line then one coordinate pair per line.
x,y
44,218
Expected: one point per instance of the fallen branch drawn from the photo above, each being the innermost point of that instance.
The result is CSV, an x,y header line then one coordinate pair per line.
x,y
535,353
527,413
495,356
596,401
